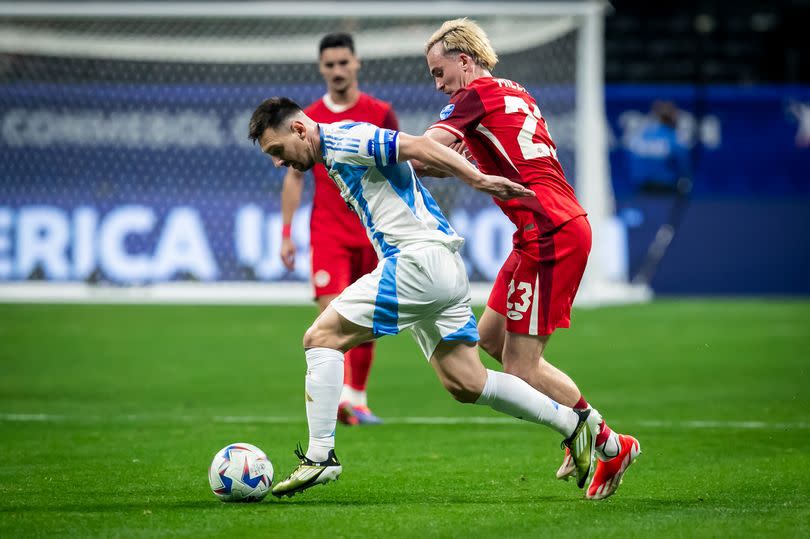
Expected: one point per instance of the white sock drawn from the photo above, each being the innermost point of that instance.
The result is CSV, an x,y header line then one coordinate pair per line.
x,y
610,447
355,397
323,382
510,395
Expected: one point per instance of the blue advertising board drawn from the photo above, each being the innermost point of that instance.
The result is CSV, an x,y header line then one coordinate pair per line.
x,y
140,184
744,230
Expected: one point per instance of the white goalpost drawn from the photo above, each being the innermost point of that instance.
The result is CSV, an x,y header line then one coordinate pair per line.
x,y
176,206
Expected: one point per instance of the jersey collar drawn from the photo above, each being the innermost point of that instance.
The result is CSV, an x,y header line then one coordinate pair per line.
x,y
328,156
334,108
475,82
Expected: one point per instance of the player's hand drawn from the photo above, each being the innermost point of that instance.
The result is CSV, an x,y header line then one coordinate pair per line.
x,y
501,188
460,147
288,253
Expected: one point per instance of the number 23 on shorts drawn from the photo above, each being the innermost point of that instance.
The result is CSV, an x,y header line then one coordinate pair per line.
x,y
518,299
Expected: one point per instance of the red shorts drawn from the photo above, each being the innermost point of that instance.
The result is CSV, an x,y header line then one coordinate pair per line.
x,y
536,285
335,266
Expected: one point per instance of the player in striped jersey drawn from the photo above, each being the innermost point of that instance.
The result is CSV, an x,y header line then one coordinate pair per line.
x,y
339,255
420,283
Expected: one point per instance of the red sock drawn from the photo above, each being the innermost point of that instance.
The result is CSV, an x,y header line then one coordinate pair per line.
x,y
604,432
356,366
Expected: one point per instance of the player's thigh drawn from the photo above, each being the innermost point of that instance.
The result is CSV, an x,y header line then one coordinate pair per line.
x,y
331,330
331,268
546,279
561,273
491,329
492,325
500,287
573,242
372,300
460,371
435,298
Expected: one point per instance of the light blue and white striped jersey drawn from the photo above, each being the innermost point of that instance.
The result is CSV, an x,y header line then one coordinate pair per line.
x,y
394,206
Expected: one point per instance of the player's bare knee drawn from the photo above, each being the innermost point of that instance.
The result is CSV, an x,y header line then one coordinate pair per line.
x,y
462,390
462,394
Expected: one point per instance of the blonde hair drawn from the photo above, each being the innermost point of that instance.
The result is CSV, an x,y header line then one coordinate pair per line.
x,y
464,35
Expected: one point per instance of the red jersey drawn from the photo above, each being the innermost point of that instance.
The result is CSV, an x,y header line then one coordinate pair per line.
x,y
507,136
332,220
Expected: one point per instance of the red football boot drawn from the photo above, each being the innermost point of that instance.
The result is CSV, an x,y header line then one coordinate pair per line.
x,y
346,415
608,474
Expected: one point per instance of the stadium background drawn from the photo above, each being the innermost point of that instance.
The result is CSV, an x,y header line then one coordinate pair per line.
x,y
136,172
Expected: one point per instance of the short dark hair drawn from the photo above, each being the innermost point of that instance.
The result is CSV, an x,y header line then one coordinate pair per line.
x,y
338,39
271,114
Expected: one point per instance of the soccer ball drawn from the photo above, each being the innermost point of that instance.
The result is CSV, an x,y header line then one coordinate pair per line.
x,y
240,472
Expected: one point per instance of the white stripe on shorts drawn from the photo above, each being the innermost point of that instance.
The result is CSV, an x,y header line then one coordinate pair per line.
x,y
535,297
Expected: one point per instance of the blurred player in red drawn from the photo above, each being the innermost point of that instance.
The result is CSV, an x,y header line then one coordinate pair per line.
x,y
340,254
500,124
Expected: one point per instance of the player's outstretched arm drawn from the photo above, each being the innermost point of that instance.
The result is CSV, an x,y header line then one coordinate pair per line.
x,y
290,200
444,138
439,157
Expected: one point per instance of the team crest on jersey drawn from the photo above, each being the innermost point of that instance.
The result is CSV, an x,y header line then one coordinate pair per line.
x,y
447,111
321,278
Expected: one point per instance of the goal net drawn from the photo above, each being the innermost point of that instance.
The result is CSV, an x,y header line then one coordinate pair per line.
x,y
123,129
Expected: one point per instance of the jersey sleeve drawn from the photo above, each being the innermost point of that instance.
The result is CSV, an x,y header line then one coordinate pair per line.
x,y
366,145
465,111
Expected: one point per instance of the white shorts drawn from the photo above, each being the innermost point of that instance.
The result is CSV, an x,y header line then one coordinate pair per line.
x,y
424,289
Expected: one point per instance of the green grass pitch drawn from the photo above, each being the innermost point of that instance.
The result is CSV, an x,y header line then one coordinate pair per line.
x,y
110,415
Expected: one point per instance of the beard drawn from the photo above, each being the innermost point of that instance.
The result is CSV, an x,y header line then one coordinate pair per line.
x,y
303,167
341,85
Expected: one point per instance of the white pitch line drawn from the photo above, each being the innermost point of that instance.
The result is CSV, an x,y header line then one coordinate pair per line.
x,y
723,424
32,418
389,420
292,420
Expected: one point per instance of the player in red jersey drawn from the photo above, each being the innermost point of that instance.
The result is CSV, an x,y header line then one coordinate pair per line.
x,y
501,126
340,254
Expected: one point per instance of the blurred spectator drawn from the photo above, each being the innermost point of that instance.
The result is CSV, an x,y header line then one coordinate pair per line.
x,y
659,163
